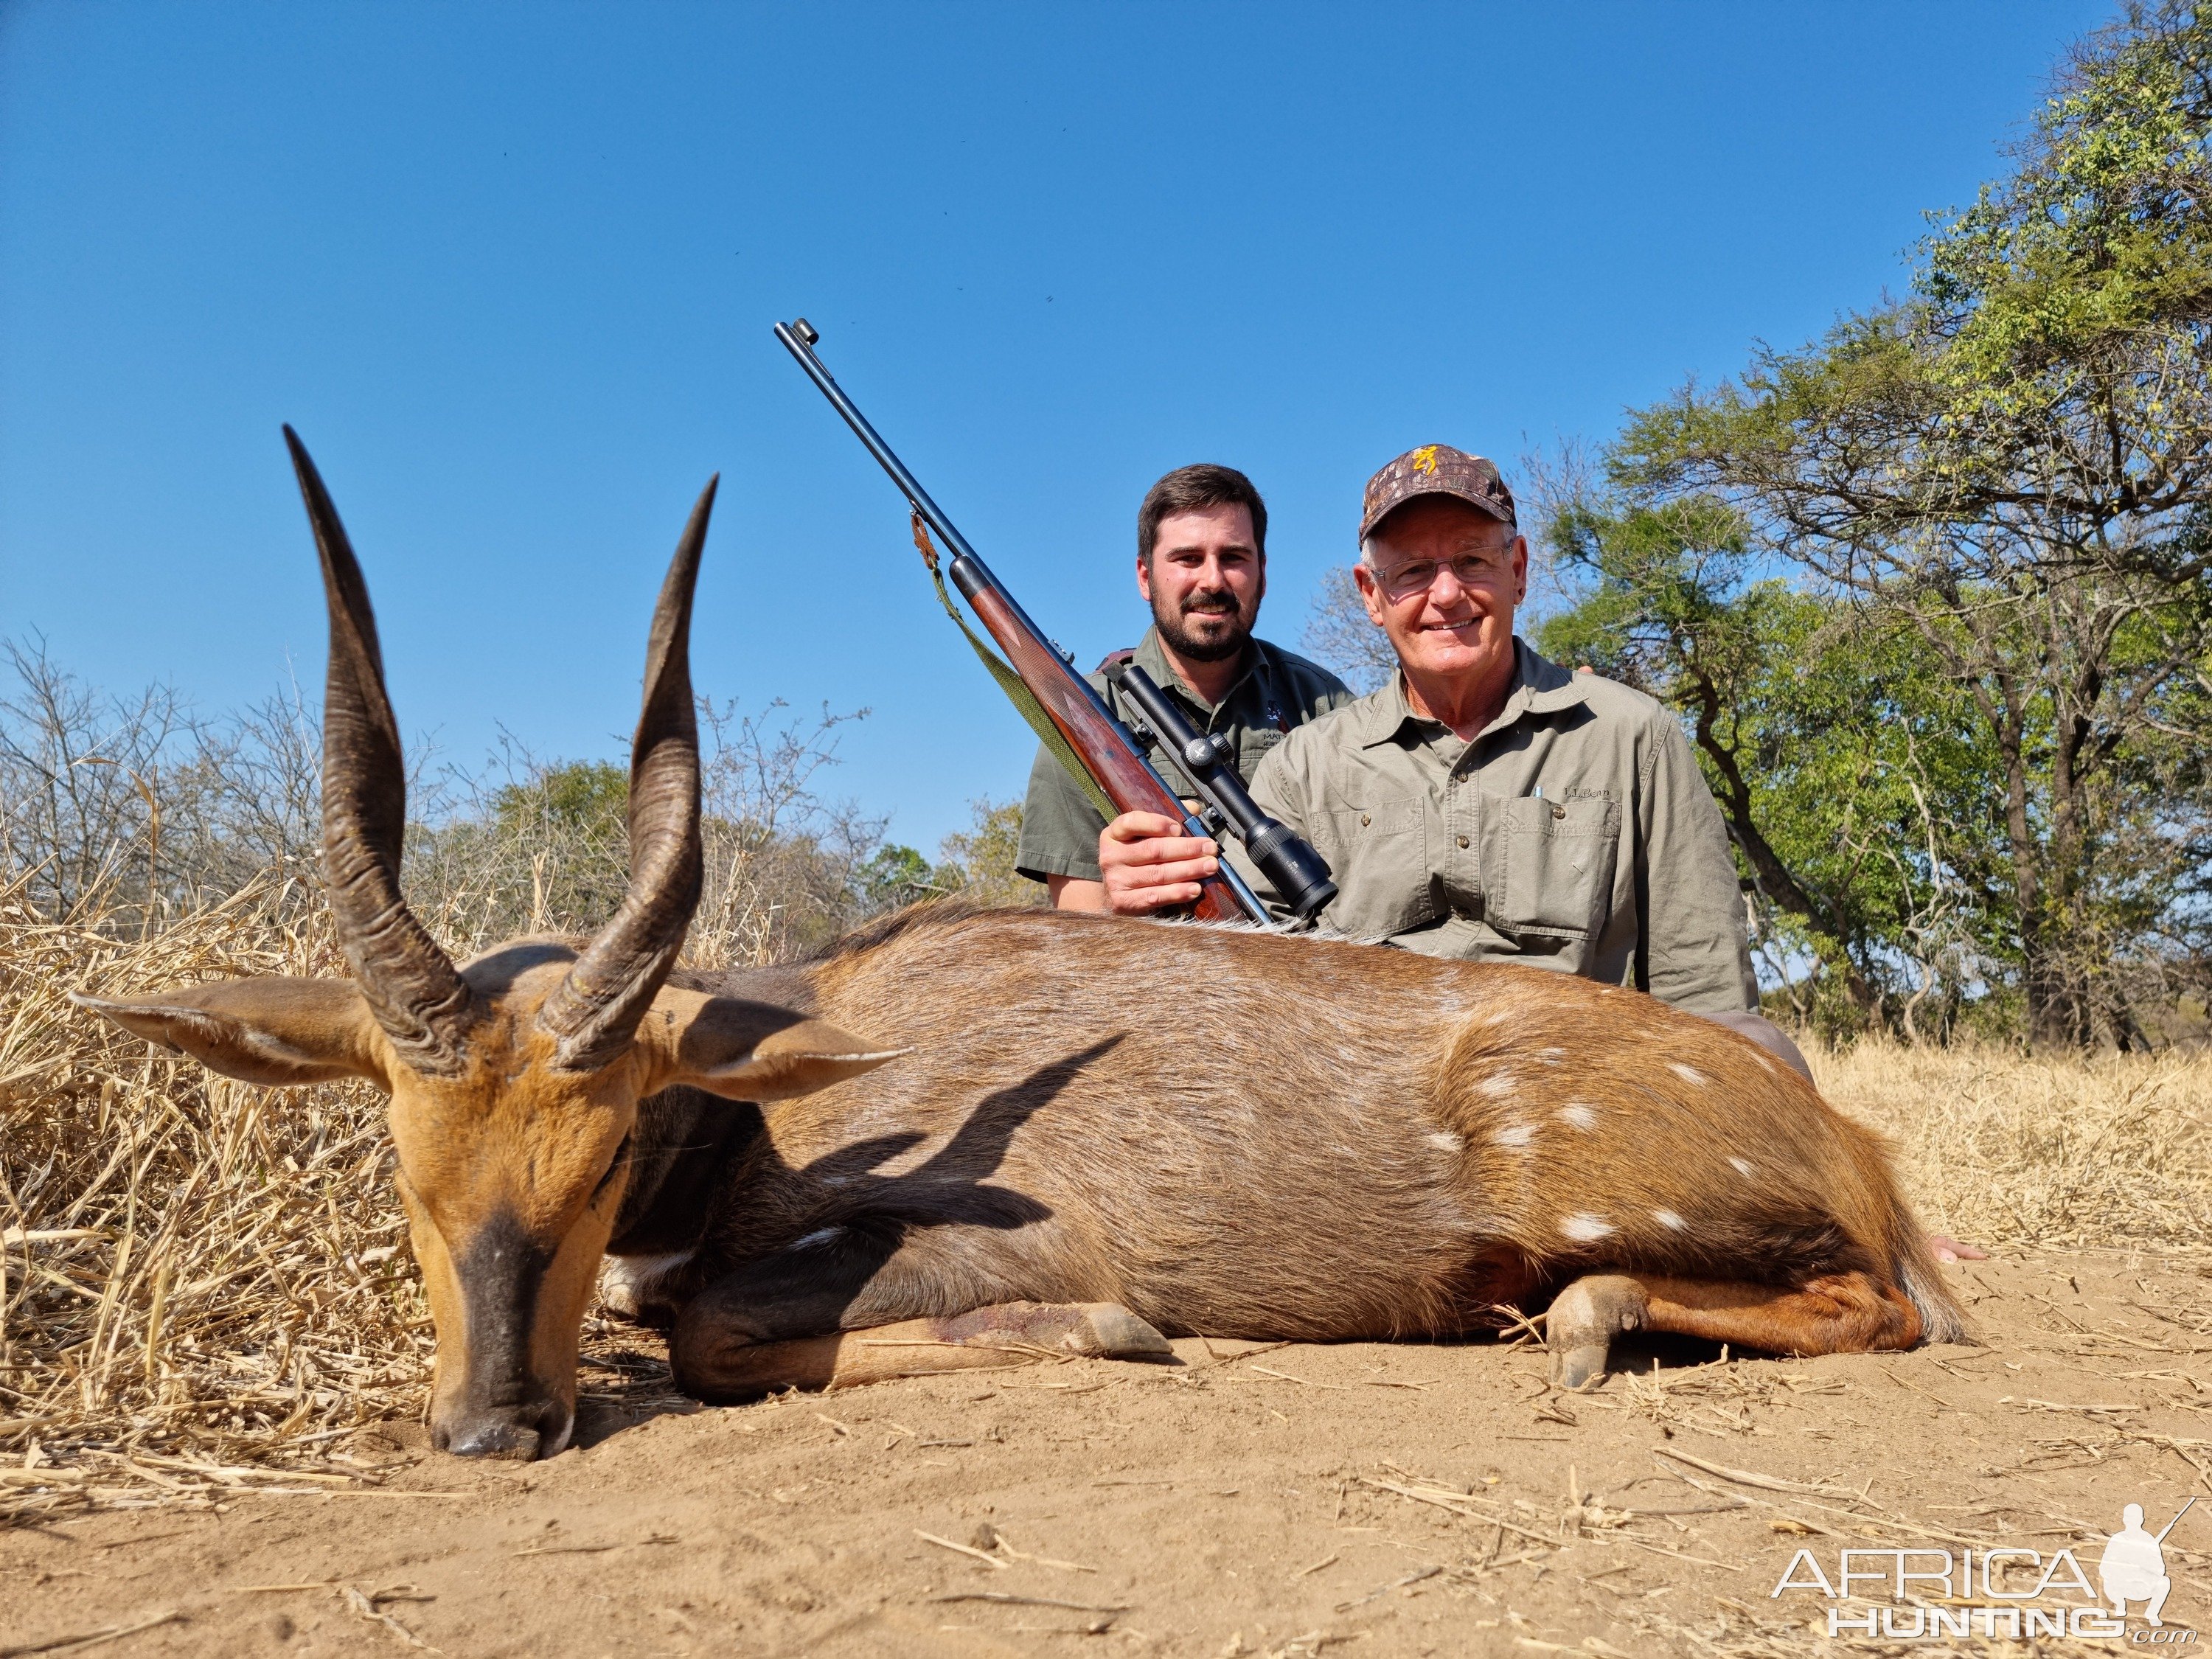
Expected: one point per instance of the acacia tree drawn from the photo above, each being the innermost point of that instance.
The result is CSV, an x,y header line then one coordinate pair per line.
x,y
1832,753
2015,464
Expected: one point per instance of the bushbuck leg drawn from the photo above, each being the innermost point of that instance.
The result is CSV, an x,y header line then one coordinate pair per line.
x,y
989,1339
880,1300
1835,1313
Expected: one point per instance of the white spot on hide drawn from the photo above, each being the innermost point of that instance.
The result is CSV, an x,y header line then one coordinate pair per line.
x,y
1550,1056
1687,1073
819,1236
1741,1168
1585,1228
1516,1135
1502,1082
1669,1218
1445,1142
1582,1117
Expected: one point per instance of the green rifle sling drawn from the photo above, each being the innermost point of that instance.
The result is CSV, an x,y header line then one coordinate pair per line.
x,y
1017,693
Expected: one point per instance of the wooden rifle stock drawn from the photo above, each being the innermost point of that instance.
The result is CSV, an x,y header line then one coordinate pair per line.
x,y
1099,741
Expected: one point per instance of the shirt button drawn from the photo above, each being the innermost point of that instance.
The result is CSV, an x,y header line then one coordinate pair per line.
x,y
1365,819
1462,841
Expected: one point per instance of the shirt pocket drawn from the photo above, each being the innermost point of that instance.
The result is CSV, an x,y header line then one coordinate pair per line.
x,y
1377,856
1252,746
1560,859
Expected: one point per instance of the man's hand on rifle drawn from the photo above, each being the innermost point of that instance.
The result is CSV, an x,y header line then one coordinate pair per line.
x,y
1149,864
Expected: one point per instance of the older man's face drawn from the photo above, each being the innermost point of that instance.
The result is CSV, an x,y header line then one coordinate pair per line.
x,y
1442,578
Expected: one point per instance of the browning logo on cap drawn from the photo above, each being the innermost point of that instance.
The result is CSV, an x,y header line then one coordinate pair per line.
x,y
1435,470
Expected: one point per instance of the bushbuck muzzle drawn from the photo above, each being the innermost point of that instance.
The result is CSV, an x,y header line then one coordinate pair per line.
x,y
515,1080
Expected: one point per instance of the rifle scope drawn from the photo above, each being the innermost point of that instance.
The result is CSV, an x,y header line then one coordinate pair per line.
x,y
1292,868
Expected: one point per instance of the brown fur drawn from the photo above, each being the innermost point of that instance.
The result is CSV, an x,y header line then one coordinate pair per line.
x,y
1228,1132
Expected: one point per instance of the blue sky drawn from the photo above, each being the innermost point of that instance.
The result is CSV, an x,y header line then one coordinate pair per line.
x,y
511,271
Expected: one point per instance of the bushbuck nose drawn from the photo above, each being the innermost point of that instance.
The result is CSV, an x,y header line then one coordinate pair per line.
x,y
517,1433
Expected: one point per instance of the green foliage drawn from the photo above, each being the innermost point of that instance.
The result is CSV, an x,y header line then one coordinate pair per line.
x,y
2098,240
978,862
580,795
1981,518
896,875
1835,755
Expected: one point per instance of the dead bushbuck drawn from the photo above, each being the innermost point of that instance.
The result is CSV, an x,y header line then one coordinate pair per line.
x,y
1093,1132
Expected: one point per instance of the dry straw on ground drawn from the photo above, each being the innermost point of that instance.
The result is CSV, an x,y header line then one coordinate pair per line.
x,y
204,1284
2052,1151
195,1274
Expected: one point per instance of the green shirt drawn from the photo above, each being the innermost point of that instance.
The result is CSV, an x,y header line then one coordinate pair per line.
x,y
1574,832
1276,690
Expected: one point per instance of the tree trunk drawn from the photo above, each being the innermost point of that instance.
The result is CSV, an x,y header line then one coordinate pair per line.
x,y
1769,873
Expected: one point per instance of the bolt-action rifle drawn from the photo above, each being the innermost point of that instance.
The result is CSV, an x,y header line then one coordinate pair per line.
x,y
1102,755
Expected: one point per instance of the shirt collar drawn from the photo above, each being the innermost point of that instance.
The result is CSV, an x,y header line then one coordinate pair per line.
x,y
1540,686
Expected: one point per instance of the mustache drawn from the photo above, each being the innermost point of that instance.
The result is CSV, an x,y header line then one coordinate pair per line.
x,y
1211,605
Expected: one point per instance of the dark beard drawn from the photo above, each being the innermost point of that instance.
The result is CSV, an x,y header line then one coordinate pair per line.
x,y
1183,644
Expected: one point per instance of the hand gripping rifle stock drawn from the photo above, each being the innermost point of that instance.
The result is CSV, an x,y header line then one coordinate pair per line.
x,y
1292,867
1099,742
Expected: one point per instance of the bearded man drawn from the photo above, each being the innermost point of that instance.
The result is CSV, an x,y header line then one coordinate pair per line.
x,y
1202,567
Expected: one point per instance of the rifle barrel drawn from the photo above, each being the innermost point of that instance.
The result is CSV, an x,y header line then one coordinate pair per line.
x,y
1223,895
2176,1521
967,570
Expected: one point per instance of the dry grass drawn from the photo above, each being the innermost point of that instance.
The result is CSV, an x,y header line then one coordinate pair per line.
x,y
204,1284
2049,1151
198,1279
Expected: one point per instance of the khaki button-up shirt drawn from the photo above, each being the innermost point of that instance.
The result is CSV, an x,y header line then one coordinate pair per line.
x,y
1278,691
1573,832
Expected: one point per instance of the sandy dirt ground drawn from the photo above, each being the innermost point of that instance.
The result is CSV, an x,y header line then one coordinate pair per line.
x,y
1362,1500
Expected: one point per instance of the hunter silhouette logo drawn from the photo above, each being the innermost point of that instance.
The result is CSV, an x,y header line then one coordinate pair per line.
x,y
2134,1565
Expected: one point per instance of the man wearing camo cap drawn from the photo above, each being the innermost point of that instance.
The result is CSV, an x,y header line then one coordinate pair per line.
x,y
1487,803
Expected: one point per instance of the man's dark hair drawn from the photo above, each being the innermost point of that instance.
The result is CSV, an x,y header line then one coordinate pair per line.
x,y
1187,490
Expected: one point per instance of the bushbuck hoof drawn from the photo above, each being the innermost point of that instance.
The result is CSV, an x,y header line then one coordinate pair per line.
x,y
1107,1330
634,1288
618,1293
1583,1320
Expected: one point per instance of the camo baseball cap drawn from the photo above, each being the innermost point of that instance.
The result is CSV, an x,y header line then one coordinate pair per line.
x,y
1435,470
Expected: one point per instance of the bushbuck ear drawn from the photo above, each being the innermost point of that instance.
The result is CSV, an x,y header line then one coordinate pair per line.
x,y
754,1051
274,1029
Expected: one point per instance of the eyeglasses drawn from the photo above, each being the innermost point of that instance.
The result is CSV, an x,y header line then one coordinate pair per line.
x,y
1468,570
